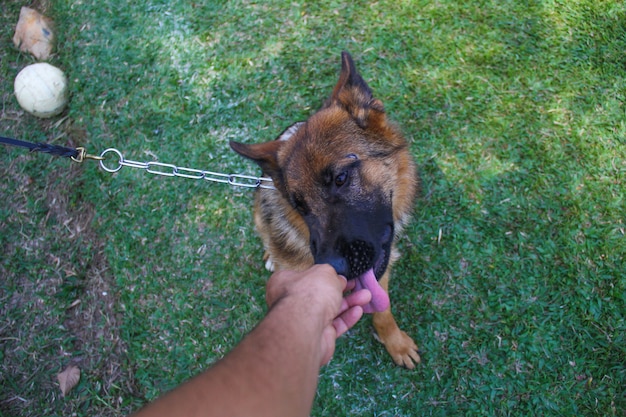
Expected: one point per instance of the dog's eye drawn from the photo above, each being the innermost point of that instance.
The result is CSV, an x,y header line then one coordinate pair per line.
x,y
341,179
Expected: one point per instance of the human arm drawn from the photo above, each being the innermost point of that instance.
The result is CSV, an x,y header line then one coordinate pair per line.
x,y
274,370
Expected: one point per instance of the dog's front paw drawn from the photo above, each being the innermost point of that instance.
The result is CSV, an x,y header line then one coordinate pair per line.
x,y
269,262
402,349
400,346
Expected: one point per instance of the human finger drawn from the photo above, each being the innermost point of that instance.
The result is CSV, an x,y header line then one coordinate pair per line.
x,y
346,320
358,298
350,285
319,283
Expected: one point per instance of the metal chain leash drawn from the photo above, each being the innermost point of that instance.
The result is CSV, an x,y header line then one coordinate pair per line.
x,y
171,170
80,154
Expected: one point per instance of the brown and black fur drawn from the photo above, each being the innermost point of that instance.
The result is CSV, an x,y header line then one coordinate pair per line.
x,y
345,186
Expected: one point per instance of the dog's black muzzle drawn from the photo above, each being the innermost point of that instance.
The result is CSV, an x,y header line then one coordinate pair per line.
x,y
355,242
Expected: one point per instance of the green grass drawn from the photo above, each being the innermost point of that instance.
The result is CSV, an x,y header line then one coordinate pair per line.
x,y
512,280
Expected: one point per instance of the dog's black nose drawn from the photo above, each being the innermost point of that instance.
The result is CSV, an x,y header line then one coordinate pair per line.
x,y
338,263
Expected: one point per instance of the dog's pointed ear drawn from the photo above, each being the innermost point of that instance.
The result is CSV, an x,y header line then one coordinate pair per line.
x,y
264,154
353,94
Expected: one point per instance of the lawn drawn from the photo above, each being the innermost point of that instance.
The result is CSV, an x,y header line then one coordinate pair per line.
x,y
512,279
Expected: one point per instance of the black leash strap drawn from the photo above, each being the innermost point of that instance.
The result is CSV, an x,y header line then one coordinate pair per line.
x,y
55,150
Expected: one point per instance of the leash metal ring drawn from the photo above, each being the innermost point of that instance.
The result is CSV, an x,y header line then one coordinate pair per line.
x,y
120,160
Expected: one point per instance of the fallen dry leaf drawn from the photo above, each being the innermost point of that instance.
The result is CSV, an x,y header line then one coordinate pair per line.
x,y
68,379
34,33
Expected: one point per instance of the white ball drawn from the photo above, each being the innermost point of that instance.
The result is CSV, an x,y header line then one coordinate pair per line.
x,y
41,90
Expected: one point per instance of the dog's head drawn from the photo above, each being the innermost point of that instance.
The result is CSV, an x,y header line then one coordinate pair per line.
x,y
346,171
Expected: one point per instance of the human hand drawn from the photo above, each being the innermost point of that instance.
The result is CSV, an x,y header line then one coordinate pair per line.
x,y
316,295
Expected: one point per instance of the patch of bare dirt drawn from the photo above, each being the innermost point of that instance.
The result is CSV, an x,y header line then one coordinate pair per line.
x,y
92,318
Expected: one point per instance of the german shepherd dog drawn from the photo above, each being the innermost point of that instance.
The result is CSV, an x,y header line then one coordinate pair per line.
x,y
345,186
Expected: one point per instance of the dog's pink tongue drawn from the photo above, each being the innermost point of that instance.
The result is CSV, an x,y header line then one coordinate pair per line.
x,y
380,298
